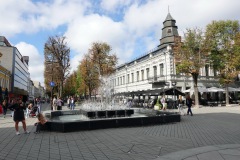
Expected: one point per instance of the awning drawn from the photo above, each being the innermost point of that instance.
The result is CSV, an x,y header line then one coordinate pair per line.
x,y
172,91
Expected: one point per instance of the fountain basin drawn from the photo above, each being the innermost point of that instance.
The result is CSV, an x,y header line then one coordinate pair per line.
x,y
79,120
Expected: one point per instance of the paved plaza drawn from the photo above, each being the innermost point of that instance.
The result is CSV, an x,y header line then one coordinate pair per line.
x,y
211,133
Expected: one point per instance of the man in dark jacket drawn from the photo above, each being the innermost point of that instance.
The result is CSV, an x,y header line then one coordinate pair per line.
x,y
189,103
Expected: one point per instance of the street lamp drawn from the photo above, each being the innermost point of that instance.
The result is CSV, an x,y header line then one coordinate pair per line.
x,y
174,84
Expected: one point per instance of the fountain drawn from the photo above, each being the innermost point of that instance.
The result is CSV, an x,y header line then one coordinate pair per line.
x,y
106,114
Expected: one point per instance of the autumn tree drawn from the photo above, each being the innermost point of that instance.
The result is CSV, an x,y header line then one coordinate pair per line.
x,y
189,56
222,42
102,59
57,61
89,75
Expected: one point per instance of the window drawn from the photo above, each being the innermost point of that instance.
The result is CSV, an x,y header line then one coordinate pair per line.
x,y
142,73
137,76
132,77
161,69
207,69
120,80
123,79
169,30
128,78
155,71
147,72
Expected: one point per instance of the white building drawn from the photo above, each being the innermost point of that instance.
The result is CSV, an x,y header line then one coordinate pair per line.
x,y
149,74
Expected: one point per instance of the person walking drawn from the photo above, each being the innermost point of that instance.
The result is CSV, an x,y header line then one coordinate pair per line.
x,y
4,106
11,103
69,102
164,103
180,105
72,103
18,116
189,103
54,103
59,103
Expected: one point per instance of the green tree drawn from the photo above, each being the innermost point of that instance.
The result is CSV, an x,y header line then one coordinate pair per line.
x,y
222,42
189,56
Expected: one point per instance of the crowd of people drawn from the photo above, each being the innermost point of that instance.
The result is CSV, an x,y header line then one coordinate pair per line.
x,y
165,103
20,110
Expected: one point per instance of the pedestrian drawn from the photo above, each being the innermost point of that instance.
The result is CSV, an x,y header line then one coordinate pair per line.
x,y
38,102
69,102
54,103
189,103
28,109
11,103
164,103
18,116
72,103
180,105
59,103
41,123
4,106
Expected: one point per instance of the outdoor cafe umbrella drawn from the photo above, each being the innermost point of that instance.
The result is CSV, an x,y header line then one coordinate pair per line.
x,y
200,89
215,89
231,89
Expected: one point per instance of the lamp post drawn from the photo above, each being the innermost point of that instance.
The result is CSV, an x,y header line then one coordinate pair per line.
x,y
174,84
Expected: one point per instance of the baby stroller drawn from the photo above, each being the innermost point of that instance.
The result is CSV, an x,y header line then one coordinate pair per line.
x,y
33,112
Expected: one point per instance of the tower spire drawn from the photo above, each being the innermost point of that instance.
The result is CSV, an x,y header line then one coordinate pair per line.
x,y
169,30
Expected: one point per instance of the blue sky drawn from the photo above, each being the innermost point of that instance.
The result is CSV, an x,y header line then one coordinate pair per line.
x,y
130,27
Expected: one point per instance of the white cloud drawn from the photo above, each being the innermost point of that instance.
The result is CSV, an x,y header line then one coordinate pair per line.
x,y
113,5
28,17
94,28
36,61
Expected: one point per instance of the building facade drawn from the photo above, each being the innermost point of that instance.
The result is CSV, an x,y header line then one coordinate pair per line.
x,y
17,65
156,70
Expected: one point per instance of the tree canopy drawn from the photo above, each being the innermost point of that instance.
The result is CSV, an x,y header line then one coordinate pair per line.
x,y
189,56
57,62
222,41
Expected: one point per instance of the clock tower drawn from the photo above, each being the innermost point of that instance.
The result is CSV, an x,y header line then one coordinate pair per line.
x,y
169,31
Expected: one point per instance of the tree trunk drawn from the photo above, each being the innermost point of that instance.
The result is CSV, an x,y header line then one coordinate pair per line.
x,y
195,80
227,95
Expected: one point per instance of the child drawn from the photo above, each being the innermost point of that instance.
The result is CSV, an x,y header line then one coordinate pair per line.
x,y
41,122
28,109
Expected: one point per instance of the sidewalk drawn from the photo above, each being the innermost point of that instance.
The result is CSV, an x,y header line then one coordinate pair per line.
x,y
211,133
